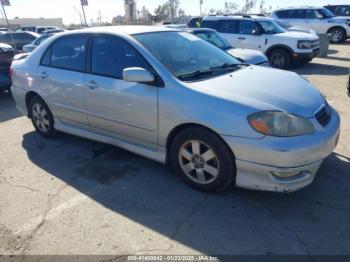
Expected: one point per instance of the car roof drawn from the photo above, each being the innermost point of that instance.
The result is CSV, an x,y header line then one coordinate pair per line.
x,y
128,30
198,30
299,7
236,17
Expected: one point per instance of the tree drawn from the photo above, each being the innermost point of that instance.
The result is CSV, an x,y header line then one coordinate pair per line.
x,y
230,7
248,6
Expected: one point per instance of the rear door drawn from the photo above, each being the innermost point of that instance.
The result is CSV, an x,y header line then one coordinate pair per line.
x,y
229,30
296,17
61,74
124,110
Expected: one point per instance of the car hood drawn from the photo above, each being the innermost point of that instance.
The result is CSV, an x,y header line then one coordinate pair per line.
x,y
250,56
302,29
297,35
339,19
262,88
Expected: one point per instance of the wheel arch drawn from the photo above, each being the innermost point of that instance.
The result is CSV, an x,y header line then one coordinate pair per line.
x,y
337,26
29,97
274,47
178,129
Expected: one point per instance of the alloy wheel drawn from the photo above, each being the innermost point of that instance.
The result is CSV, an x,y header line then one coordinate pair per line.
x,y
199,162
337,35
40,118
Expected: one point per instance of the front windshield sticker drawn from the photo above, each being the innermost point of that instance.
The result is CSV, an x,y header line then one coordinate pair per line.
x,y
190,37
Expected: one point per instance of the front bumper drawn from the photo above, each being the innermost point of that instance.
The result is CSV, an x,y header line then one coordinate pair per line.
x,y
306,57
258,161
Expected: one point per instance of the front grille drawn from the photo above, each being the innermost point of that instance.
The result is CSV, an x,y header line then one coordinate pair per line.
x,y
324,115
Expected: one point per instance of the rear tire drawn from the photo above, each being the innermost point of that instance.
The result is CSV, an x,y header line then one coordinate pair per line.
x,y
338,35
280,58
203,160
42,117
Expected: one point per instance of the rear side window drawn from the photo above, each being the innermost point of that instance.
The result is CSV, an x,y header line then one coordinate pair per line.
x,y
247,27
210,24
297,14
111,55
282,14
228,26
67,53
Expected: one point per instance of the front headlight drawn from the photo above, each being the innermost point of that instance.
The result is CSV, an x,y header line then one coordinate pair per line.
x,y
305,44
275,123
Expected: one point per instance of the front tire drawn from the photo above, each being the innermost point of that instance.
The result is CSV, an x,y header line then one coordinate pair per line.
x,y
280,58
42,117
203,160
338,35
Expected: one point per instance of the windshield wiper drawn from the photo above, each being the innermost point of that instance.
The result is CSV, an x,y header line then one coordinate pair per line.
x,y
212,70
228,66
196,73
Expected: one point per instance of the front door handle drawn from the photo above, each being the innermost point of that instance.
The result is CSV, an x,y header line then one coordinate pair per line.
x,y
92,85
241,38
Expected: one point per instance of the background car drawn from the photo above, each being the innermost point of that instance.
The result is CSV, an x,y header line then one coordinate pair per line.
x,y
18,39
249,56
37,29
282,47
320,19
6,55
339,10
30,47
291,28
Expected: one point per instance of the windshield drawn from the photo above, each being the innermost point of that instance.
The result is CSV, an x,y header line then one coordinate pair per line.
x,y
283,24
187,56
214,38
326,13
271,27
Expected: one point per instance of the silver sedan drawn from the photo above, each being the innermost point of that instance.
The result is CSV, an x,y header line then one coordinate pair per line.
x,y
174,98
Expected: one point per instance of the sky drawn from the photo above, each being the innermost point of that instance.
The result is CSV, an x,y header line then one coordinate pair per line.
x,y
68,9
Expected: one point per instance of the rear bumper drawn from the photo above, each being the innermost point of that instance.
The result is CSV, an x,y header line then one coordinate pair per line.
x,y
263,164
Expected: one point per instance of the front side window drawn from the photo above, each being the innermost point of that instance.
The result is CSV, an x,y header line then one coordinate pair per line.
x,y
313,14
325,13
247,27
214,38
111,55
67,53
188,57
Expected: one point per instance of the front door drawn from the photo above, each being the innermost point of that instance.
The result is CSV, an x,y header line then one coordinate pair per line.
x,y
116,108
247,35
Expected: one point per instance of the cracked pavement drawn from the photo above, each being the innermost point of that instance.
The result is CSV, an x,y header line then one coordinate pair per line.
x,y
71,196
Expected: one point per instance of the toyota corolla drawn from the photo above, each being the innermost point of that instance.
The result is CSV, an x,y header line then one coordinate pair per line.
x,y
174,98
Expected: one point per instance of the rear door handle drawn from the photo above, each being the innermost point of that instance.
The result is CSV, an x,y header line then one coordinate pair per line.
x,y
241,38
92,85
44,75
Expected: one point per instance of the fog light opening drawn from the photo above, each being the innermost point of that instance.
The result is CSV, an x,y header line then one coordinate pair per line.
x,y
290,174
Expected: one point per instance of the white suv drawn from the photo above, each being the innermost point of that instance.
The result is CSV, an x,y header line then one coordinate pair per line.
x,y
283,48
319,19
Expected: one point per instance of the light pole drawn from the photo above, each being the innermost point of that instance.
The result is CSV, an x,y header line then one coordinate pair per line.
x,y
84,3
200,7
7,3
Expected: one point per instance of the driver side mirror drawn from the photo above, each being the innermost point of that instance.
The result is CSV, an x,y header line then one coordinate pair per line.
x,y
138,75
